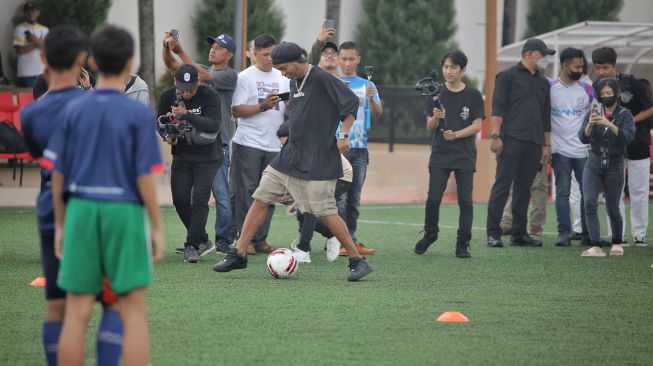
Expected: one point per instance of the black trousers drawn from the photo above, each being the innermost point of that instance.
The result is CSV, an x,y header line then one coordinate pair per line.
x,y
191,183
517,165
309,222
248,164
437,184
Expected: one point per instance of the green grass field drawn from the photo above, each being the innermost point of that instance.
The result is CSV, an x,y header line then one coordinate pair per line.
x,y
527,306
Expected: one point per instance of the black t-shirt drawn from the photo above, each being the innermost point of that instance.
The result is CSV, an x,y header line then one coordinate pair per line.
x,y
203,113
461,108
311,152
636,98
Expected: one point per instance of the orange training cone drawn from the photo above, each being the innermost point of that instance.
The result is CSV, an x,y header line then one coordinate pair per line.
x,y
452,317
38,281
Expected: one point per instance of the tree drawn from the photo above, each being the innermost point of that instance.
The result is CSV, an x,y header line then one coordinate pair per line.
x,y
217,16
404,39
146,34
85,14
547,15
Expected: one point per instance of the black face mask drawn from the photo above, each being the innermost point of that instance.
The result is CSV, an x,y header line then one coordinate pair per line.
x,y
609,101
575,75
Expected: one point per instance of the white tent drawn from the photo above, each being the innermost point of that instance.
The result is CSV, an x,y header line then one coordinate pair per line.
x,y
632,41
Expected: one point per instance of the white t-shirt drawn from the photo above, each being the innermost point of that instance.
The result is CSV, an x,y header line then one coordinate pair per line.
x,y
29,64
569,106
260,130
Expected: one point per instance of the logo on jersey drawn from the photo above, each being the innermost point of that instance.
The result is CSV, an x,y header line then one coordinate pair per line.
x,y
465,114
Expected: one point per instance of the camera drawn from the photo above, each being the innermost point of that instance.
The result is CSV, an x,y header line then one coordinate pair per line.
x,y
431,87
170,127
179,101
369,72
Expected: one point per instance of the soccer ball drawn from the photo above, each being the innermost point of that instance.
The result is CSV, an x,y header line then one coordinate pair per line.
x,y
282,263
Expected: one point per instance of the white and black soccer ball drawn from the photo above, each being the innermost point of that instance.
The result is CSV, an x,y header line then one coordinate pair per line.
x,y
282,263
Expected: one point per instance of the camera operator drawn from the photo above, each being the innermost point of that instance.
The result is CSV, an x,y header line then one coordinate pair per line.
x,y
455,117
196,154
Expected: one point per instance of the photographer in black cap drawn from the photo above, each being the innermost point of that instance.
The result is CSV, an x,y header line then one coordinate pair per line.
x,y
521,129
196,154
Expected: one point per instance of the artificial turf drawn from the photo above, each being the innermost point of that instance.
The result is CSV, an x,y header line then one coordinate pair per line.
x,y
527,306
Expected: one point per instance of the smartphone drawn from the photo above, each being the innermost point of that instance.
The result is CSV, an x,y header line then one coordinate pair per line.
x,y
597,108
329,24
174,33
27,33
283,96
369,72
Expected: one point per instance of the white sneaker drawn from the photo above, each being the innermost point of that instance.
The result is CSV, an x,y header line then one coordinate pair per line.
x,y
302,256
640,242
616,250
332,249
593,252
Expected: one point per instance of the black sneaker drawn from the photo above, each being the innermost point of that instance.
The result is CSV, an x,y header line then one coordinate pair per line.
x,y
423,244
358,268
230,262
205,248
222,247
585,240
564,240
179,250
462,249
493,242
576,236
190,254
525,241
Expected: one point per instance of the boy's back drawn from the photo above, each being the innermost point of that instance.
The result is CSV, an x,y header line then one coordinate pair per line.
x,y
105,143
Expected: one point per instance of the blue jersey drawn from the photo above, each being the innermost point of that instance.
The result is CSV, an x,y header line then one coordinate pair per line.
x,y
39,121
358,132
105,143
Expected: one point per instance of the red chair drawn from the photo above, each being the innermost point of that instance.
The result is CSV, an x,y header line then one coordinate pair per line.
x,y
6,99
25,98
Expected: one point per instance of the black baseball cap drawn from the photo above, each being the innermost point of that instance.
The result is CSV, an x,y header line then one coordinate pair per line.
x,y
330,45
535,44
30,5
186,77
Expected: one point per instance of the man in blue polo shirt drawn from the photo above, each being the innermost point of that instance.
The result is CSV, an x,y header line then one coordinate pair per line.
x,y
349,202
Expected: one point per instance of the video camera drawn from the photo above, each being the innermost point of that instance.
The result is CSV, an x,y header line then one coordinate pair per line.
x,y
431,87
170,127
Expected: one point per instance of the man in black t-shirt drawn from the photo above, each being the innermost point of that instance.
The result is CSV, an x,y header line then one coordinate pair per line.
x,y
196,155
636,97
306,169
454,123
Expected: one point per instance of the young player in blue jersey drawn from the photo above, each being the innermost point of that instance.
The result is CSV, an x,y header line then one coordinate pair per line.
x,y
104,155
64,53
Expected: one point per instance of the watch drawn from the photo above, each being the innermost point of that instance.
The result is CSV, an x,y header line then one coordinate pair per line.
x,y
262,107
495,136
342,136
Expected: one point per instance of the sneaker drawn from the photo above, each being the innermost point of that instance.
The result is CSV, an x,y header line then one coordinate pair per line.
x,y
190,254
640,243
332,249
576,236
358,268
525,240
616,250
222,247
462,249
424,243
493,242
564,240
205,248
593,252
363,250
343,251
302,256
585,240
179,250
230,262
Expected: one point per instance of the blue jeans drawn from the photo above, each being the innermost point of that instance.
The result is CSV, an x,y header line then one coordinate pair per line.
x,y
220,189
612,182
562,168
350,201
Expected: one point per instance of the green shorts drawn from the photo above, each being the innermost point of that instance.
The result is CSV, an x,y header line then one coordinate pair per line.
x,y
104,238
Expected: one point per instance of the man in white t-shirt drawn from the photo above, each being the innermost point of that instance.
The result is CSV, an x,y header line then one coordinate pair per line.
x,y
28,40
260,112
571,101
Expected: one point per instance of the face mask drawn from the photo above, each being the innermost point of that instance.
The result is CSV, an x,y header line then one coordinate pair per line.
x,y
575,75
542,63
609,101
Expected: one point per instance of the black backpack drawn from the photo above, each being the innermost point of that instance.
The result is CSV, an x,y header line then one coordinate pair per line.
x,y
11,140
